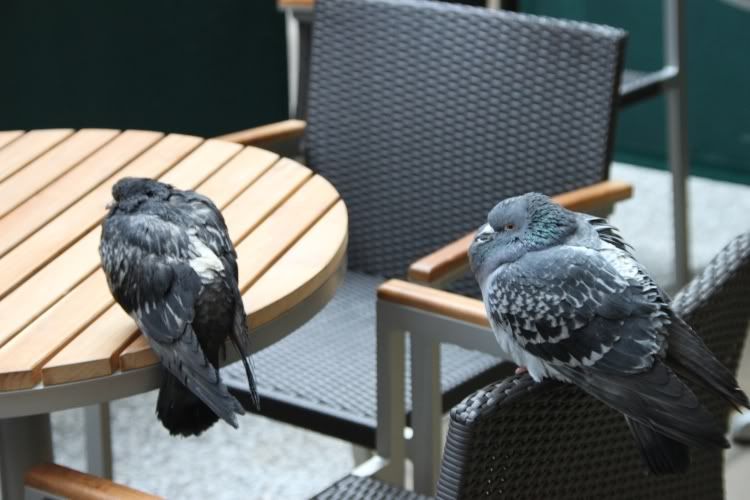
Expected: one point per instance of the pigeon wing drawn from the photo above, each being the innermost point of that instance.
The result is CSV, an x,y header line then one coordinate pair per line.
x,y
209,225
607,232
212,231
571,308
163,300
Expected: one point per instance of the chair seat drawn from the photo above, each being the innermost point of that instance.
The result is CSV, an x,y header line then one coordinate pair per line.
x,y
365,488
323,376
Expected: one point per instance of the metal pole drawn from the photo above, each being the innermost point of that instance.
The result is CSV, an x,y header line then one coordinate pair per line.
x,y
24,442
391,414
426,412
304,21
98,440
677,134
292,59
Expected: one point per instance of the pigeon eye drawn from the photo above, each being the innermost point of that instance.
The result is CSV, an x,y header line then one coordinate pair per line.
x,y
509,227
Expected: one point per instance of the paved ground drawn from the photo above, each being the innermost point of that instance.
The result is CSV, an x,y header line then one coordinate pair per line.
x,y
268,460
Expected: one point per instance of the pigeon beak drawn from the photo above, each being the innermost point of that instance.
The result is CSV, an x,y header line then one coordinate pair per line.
x,y
485,229
110,205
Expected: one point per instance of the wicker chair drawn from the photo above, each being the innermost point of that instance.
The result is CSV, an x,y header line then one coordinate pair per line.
x,y
48,481
423,115
520,439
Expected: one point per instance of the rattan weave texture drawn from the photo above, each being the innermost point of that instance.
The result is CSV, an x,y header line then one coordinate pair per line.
x,y
330,362
424,115
365,488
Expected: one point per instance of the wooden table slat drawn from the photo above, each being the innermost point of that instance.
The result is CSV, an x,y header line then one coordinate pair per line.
x,y
47,286
254,205
245,212
137,355
237,174
200,164
95,351
28,147
57,235
8,136
265,244
22,357
301,270
262,247
49,283
15,189
33,213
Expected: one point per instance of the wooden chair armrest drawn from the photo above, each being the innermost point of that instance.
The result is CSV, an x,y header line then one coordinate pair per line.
x,y
452,259
69,483
295,4
273,132
434,300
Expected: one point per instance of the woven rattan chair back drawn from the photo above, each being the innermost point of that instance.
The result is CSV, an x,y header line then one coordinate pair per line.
x,y
425,114
519,439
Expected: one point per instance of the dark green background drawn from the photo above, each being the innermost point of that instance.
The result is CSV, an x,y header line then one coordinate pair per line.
x,y
208,67
202,67
718,80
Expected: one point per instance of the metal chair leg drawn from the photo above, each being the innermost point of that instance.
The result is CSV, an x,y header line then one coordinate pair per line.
x,y
360,454
98,440
292,60
426,412
391,413
677,140
740,429
303,76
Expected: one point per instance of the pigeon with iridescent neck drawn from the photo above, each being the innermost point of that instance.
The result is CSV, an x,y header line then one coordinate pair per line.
x,y
567,300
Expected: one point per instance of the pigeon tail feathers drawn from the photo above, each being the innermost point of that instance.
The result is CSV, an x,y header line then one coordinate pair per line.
x,y
660,454
186,361
657,399
239,343
181,412
689,355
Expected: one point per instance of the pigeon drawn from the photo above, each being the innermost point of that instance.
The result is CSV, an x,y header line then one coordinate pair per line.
x,y
568,301
171,266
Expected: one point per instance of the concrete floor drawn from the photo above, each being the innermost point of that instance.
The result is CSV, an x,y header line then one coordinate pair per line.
x,y
268,460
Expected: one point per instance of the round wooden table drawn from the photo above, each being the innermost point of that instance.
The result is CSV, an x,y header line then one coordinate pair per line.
x,y
64,343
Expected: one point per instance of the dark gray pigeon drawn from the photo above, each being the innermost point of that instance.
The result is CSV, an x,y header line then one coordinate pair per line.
x,y
568,301
171,266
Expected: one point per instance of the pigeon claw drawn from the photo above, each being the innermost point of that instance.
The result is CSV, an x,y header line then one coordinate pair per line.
x,y
520,370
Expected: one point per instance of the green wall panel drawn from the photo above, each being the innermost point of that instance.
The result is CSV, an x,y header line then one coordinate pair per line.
x,y
200,67
209,67
718,80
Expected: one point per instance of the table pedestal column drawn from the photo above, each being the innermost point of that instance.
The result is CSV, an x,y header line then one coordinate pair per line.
x,y
24,441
